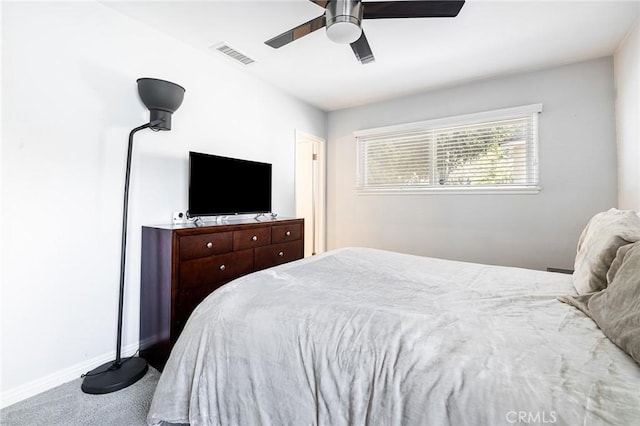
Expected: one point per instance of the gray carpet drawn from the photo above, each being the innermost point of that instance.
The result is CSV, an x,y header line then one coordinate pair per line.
x,y
67,405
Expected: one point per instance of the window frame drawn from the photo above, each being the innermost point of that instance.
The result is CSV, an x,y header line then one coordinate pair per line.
x,y
532,110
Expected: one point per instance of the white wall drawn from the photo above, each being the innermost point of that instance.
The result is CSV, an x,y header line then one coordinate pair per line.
x,y
627,75
577,174
70,99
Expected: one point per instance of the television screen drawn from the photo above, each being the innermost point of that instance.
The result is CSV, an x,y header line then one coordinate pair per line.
x,y
224,186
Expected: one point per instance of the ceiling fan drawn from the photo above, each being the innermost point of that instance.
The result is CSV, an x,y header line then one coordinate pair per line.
x,y
343,20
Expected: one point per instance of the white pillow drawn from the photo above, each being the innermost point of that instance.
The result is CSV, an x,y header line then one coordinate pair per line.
x,y
598,244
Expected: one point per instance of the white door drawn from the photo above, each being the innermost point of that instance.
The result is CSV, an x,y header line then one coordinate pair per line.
x,y
310,190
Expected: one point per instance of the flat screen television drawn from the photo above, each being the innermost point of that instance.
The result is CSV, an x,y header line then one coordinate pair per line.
x,y
224,186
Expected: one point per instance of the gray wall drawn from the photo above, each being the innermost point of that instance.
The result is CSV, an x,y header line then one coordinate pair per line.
x,y
577,147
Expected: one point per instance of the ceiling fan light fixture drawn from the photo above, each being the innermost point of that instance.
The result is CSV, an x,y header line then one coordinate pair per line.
x,y
344,32
344,20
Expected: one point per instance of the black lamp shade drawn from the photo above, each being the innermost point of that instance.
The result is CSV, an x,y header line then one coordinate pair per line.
x,y
162,98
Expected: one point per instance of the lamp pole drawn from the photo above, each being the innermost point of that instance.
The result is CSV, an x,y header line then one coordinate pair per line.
x,y
123,249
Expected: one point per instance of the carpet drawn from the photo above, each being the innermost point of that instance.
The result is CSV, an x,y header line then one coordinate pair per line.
x,y
67,405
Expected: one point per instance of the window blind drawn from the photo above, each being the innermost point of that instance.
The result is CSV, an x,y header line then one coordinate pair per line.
x,y
496,149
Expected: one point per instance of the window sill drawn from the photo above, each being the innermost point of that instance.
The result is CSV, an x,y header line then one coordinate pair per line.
x,y
450,191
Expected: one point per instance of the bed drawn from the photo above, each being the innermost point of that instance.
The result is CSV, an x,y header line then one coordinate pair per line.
x,y
369,337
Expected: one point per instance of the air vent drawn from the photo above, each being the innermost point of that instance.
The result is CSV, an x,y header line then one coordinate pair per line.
x,y
232,53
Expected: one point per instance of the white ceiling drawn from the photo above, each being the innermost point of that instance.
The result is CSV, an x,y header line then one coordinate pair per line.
x,y
487,39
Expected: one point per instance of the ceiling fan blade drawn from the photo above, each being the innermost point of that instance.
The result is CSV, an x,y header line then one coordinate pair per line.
x,y
362,50
297,32
322,3
412,9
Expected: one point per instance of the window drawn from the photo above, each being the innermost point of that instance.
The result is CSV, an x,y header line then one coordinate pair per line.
x,y
488,151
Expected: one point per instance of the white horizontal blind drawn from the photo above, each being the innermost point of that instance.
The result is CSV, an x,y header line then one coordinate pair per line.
x,y
397,159
496,150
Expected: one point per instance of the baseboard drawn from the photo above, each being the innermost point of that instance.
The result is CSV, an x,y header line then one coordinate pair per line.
x,y
58,378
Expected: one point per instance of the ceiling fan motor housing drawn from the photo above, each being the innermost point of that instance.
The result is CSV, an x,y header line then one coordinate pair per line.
x,y
344,19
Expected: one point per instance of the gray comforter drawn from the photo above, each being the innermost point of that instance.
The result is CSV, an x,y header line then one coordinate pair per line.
x,y
362,336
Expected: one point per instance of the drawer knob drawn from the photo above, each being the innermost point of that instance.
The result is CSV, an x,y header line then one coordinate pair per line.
x,y
254,238
281,254
222,267
209,244
288,233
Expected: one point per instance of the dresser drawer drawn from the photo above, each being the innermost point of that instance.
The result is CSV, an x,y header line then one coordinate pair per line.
x,y
250,238
215,270
188,300
283,233
195,246
278,253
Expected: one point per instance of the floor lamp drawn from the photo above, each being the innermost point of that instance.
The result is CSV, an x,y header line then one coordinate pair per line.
x,y
162,98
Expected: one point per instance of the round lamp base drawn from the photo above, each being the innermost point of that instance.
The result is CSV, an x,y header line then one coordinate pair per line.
x,y
112,377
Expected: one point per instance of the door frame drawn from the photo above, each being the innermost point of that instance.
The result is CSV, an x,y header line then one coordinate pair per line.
x,y
320,189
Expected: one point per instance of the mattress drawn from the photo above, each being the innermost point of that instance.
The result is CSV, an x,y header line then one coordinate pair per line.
x,y
368,337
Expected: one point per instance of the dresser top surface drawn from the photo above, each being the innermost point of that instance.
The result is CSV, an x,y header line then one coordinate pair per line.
x,y
229,222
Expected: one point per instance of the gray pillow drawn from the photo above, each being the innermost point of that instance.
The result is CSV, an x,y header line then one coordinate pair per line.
x,y
597,246
616,309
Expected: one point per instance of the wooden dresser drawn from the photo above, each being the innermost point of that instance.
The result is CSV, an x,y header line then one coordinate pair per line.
x,y
183,264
